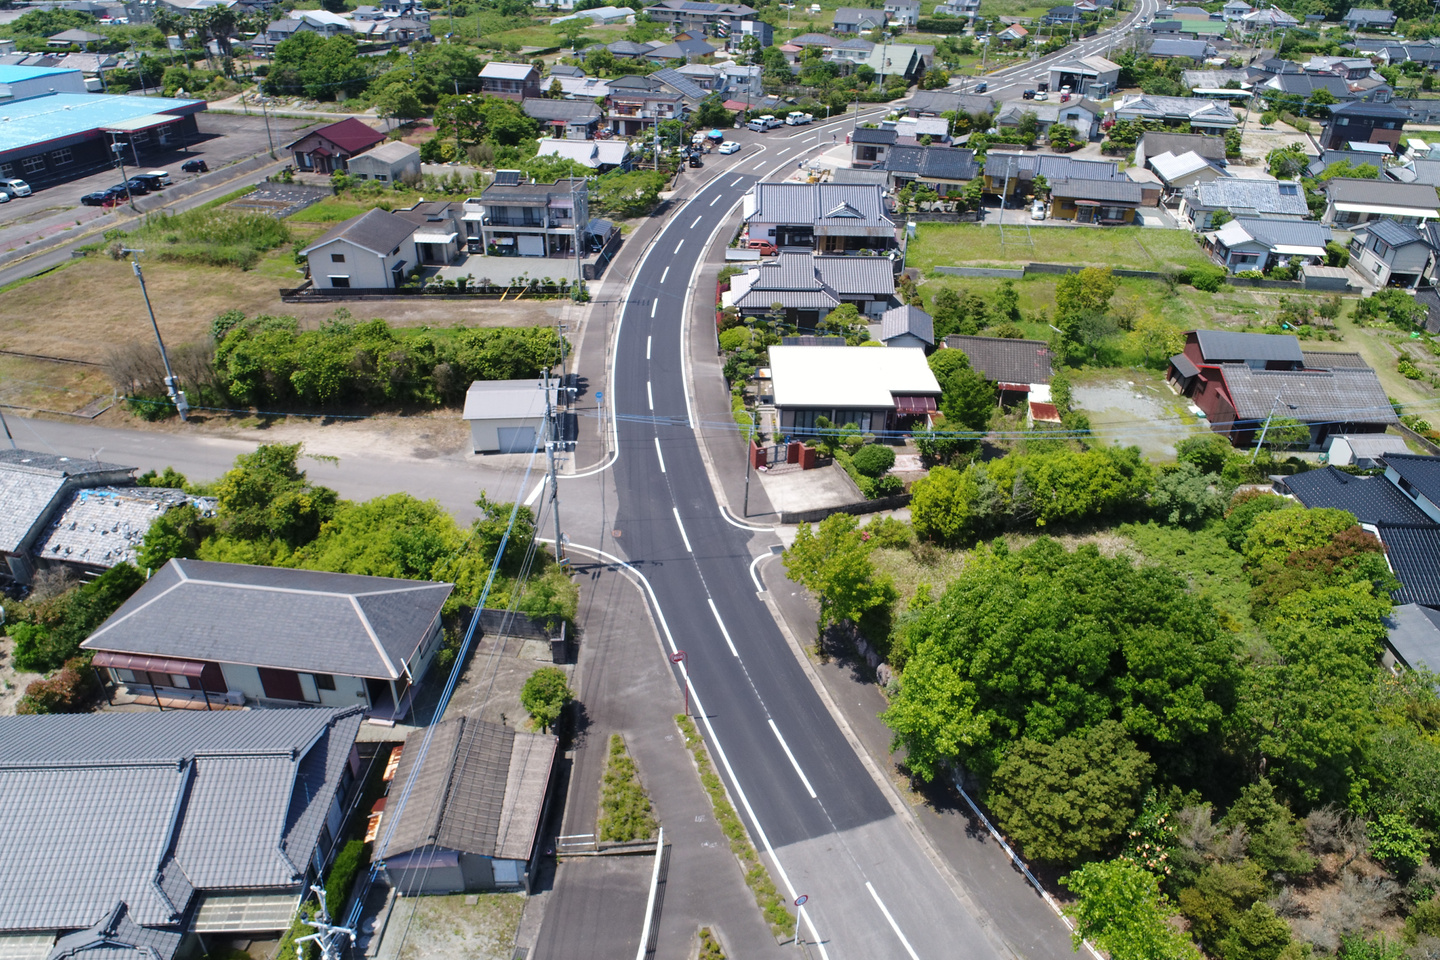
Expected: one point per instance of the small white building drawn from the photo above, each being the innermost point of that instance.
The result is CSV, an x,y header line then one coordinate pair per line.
x,y
1362,449
386,163
508,416
373,251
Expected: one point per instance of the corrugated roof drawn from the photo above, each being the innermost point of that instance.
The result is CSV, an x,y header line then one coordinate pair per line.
x,y
276,617
1414,555
30,483
1052,167
1423,473
469,794
1311,396
103,526
1156,142
507,399
1387,193
1414,635
1276,233
1371,499
146,808
1227,346
1004,360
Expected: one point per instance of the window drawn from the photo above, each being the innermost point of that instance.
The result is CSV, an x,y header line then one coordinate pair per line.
x,y
61,157
340,282
32,164
324,681
381,177
337,258
7,169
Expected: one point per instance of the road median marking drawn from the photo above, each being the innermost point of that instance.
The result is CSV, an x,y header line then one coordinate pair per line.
x,y
806,780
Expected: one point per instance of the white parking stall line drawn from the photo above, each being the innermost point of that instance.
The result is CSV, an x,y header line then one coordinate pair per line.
x,y
803,779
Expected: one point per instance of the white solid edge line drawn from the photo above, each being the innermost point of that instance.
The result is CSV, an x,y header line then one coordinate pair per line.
x,y
735,521
710,729
794,763
650,903
615,355
650,395
759,587
658,455
535,494
1023,868
728,642
893,925
676,511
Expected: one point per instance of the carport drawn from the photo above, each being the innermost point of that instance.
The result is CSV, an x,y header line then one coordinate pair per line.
x,y
137,130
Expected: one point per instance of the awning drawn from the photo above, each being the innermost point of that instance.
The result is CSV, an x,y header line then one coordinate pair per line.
x,y
132,661
436,237
910,406
1383,211
319,152
472,217
1184,365
1044,412
1292,250
1087,203
135,124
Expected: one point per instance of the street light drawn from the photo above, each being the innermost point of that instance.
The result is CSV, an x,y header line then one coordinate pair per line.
x,y
679,657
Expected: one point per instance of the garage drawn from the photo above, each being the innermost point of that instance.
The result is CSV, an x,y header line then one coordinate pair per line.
x,y
509,416
516,439
530,245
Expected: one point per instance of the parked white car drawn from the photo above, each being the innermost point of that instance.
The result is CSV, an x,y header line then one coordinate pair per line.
x,y
1037,210
14,188
796,118
729,146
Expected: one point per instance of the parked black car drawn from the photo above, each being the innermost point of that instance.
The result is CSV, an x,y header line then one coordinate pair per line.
x,y
1028,95
96,199
136,184
194,166
695,160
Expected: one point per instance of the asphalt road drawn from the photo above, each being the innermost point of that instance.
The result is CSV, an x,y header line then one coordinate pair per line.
x,y
873,893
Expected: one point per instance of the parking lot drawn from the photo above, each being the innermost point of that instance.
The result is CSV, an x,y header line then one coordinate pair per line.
x,y
223,140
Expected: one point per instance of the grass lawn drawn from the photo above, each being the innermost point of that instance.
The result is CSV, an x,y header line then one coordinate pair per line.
x,y
1134,248
337,209
535,36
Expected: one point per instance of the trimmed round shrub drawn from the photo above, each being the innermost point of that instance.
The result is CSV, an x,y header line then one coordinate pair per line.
x,y
873,460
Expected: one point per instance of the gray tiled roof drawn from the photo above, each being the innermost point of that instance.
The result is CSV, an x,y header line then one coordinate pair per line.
x,y
1226,346
1003,360
103,526
904,319
1051,166
148,808
1306,84
466,789
1370,499
1423,473
30,483
1382,192
1167,47
1157,142
818,203
1414,554
1363,15
943,101
1291,233
1262,196
935,161
116,937
541,109
1370,108
276,617
1317,396
1330,359
376,230
1115,191
874,135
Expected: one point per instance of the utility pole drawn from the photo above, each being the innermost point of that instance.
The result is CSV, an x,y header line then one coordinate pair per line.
x,y
176,395
118,148
550,455
745,511
1263,430
6,427
266,110
331,940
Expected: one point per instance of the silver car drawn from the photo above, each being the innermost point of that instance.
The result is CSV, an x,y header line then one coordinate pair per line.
x,y
15,188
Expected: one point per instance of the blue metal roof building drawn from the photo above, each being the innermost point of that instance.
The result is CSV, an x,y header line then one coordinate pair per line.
x,y
60,136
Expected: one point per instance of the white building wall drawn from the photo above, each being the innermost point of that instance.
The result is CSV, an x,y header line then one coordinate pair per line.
x,y
244,679
1432,510
485,434
364,268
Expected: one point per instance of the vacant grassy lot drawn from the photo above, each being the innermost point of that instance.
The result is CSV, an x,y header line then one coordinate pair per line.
x,y
1131,248
448,928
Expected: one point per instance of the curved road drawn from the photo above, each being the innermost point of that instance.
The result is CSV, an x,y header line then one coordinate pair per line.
x,y
873,892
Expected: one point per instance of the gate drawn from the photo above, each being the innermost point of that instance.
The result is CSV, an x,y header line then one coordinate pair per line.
x,y
774,454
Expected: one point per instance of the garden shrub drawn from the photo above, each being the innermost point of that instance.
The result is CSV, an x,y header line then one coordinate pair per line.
x,y
874,459
625,812
69,690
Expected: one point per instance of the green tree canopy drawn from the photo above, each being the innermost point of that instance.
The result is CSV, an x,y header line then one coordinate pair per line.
x,y
832,559
1277,534
1070,800
1119,908
544,696
1053,643
266,496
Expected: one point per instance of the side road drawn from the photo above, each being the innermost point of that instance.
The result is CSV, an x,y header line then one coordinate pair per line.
x,y
597,905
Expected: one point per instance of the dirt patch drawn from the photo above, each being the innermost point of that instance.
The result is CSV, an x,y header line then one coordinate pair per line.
x,y
1137,411
489,686
474,927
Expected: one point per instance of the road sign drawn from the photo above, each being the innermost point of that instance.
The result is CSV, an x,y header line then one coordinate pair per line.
x,y
599,395
801,900
677,657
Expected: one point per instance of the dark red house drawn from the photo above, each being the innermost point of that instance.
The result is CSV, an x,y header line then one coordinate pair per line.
x,y
328,149
1239,380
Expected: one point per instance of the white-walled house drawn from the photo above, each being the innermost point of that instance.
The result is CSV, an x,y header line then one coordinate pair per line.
x,y
373,251
272,636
